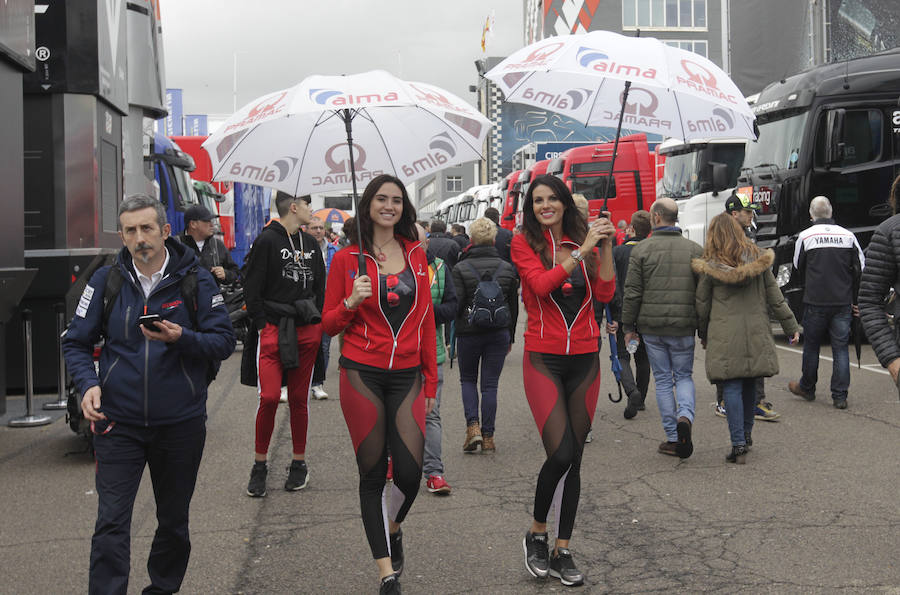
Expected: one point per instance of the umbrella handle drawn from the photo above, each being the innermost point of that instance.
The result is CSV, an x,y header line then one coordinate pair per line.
x,y
619,400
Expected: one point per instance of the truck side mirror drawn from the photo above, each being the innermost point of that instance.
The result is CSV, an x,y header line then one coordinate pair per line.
x,y
719,176
834,135
556,167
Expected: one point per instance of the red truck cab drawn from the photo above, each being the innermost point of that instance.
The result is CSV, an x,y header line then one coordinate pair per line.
x,y
511,186
585,170
192,145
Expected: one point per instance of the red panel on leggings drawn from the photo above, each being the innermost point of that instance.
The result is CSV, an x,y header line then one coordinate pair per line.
x,y
542,392
359,412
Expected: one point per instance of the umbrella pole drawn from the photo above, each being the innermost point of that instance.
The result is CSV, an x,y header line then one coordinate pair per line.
x,y
612,163
347,117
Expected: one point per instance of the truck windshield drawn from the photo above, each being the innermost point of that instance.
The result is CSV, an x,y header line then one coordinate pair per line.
x,y
680,179
592,187
779,143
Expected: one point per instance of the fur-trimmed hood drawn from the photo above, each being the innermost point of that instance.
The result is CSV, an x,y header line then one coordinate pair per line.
x,y
753,267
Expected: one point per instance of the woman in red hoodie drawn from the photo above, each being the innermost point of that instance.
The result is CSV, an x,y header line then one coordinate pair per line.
x,y
562,274
389,345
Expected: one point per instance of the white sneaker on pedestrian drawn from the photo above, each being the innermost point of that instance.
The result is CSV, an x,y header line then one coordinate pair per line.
x,y
318,392
283,397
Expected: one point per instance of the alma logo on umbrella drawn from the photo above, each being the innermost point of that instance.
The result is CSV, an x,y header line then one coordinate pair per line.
x,y
596,60
701,79
441,149
538,56
276,172
335,98
719,121
568,100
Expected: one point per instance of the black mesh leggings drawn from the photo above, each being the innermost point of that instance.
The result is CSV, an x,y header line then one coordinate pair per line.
x,y
385,410
562,392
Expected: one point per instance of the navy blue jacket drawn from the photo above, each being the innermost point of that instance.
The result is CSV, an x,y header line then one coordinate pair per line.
x,y
144,382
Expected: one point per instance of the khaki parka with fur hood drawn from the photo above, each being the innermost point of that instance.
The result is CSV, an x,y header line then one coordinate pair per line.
x,y
734,319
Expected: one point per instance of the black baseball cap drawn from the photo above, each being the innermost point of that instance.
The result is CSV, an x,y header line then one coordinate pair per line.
x,y
198,213
740,202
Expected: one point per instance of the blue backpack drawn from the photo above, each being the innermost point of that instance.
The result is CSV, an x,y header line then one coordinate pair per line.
x,y
489,309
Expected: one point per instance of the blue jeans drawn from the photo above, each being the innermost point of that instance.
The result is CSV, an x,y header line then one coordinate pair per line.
x,y
490,349
432,464
739,395
672,362
817,322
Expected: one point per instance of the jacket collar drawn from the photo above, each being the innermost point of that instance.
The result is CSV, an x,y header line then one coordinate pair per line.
x,y
181,259
563,240
481,252
753,266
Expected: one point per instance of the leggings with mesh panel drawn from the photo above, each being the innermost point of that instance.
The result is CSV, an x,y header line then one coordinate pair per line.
x,y
562,392
385,411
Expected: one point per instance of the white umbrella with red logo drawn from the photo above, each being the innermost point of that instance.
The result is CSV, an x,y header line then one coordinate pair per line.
x,y
334,132
606,79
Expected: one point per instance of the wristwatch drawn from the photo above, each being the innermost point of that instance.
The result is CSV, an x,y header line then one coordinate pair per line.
x,y
577,255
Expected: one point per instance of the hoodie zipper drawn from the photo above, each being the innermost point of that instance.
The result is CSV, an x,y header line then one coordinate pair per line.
x,y
380,309
590,295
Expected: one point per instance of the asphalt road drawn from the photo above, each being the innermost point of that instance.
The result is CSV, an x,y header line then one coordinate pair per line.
x,y
814,510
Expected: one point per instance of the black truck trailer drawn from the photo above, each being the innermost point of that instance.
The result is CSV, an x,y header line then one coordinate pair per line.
x,y
834,131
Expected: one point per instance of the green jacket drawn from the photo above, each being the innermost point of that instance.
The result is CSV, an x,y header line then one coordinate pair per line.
x,y
734,318
660,286
437,276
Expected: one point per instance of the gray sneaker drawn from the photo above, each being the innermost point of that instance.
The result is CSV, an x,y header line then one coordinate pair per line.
x,y
298,476
563,567
537,554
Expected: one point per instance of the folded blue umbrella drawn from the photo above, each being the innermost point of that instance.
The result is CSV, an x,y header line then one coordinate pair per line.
x,y
615,364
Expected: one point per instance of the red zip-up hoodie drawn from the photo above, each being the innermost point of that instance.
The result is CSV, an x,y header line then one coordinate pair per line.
x,y
547,331
368,336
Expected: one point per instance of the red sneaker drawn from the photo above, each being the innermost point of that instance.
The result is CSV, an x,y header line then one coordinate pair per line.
x,y
436,484
390,471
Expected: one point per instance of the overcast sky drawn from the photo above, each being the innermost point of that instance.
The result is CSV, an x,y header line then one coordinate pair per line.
x,y
279,42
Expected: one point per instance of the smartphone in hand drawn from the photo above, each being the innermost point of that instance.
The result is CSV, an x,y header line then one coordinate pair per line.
x,y
148,321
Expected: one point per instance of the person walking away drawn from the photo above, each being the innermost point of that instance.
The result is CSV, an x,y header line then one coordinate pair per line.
x,y
742,209
878,277
444,299
199,236
830,263
150,407
734,294
459,235
284,289
387,319
316,229
441,244
635,384
562,273
504,236
488,290
659,304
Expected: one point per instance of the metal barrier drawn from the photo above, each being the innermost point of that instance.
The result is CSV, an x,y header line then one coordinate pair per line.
x,y
62,399
29,419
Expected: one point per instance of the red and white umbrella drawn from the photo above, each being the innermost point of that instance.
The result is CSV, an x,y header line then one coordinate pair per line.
x,y
606,79
296,140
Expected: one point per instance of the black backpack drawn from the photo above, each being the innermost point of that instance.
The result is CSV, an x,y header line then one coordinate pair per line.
x,y
189,293
489,308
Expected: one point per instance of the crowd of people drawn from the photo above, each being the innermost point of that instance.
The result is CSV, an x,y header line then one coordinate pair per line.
x,y
404,297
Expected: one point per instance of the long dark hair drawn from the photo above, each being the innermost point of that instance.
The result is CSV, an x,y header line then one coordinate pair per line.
x,y
894,198
574,224
405,228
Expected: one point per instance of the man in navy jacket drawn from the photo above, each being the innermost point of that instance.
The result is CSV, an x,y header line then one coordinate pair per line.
x,y
148,404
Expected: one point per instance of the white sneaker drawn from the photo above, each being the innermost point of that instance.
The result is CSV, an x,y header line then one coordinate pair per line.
x,y
318,392
283,398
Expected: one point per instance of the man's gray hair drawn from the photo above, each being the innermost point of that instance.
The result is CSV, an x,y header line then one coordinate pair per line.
x,y
138,202
665,212
820,208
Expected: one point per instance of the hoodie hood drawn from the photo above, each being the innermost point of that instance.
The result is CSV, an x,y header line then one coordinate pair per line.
x,y
753,266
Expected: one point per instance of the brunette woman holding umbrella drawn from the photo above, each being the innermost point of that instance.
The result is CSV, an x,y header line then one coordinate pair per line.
x,y
562,272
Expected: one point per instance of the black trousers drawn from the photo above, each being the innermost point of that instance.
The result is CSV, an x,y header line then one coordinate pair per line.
x,y
173,454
